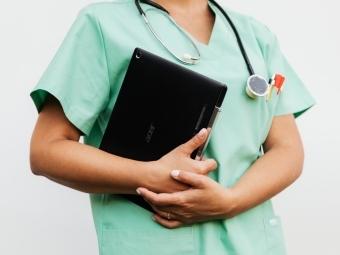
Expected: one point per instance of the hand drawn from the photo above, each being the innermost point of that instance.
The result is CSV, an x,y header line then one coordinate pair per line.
x,y
205,200
179,158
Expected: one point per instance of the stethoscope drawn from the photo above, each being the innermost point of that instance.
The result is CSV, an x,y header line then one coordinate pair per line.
x,y
257,86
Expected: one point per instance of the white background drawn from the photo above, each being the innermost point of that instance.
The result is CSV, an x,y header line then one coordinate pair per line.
x,y
40,217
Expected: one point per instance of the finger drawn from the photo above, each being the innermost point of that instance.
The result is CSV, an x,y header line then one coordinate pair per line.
x,y
165,215
195,142
167,223
209,165
194,180
162,199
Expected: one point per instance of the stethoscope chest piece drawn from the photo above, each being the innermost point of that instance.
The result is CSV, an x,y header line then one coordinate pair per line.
x,y
257,86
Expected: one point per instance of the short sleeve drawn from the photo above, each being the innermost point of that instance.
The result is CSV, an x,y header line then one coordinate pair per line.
x,y
78,74
295,97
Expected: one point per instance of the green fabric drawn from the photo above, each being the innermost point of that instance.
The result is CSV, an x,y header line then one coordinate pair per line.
x,y
86,75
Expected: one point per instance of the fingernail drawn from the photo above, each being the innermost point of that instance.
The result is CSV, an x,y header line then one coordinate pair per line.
x,y
174,173
137,190
153,218
202,132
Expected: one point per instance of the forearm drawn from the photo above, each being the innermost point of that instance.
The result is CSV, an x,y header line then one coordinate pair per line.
x,y
280,166
91,170
56,154
268,176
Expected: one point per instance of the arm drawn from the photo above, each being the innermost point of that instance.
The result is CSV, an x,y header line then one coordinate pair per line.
x,y
280,166
56,154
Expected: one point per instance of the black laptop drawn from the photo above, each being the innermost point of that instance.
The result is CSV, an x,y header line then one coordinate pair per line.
x,y
160,106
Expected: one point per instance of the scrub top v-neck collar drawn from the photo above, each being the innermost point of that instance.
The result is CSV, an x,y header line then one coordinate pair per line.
x,y
213,52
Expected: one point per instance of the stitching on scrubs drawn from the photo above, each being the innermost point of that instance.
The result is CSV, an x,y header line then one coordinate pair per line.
x,y
227,36
268,43
265,234
105,52
101,239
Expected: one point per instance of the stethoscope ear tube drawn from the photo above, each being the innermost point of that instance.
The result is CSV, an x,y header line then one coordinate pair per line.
x,y
187,59
195,59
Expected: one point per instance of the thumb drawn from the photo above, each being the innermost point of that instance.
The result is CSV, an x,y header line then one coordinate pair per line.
x,y
192,179
195,142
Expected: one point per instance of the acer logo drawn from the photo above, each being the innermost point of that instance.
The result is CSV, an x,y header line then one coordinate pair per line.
x,y
150,132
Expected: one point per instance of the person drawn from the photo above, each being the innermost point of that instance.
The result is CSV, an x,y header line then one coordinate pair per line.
x,y
220,205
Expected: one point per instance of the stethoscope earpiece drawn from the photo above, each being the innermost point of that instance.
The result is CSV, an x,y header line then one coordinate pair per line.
x,y
257,86
187,57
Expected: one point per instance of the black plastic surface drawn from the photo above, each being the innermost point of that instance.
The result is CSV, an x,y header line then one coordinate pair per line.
x,y
158,108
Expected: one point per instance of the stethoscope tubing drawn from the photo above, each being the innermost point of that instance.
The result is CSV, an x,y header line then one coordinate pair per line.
x,y
239,41
195,59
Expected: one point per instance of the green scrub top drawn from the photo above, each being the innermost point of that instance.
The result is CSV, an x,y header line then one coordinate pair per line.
x,y
86,74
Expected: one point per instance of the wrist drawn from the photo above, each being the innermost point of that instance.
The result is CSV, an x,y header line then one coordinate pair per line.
x,y
148,178
158,179
231,202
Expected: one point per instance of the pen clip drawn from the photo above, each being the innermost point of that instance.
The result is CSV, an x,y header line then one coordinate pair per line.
x,y
276,81
271,86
